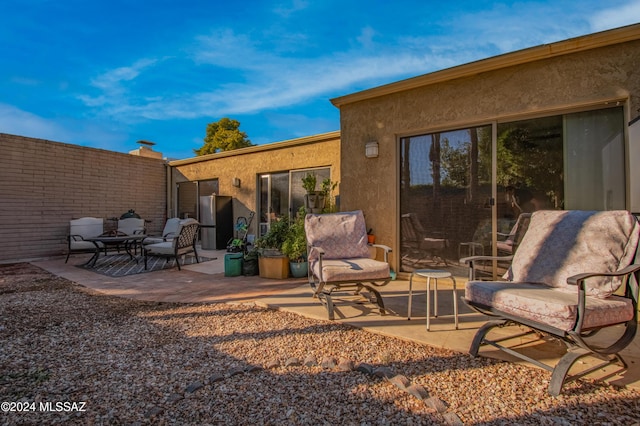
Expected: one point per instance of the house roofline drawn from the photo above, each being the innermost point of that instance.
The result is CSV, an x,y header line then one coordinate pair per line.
x,y
260,148
545,51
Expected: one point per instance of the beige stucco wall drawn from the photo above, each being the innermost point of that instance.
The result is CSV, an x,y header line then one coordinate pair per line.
x,y
592,78
248,164
44,184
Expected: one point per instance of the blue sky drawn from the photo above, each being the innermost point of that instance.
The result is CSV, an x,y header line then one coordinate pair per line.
x,y
106,74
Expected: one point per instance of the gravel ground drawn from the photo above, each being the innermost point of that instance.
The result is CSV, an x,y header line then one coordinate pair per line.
x,y
69,355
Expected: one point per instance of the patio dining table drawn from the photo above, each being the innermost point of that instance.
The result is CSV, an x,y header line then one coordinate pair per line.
x,y
104,241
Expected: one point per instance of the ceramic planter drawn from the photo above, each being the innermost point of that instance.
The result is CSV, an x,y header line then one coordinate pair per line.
x,y
298,269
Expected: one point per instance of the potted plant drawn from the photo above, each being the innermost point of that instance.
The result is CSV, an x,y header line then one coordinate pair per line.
x,y
295,246
250,263
313,200
327,188
272,263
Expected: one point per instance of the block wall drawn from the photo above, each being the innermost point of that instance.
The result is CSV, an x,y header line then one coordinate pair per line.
x,y
44,184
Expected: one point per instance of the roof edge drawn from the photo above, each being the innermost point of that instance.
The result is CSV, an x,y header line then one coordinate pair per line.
x,y
564,47
259,148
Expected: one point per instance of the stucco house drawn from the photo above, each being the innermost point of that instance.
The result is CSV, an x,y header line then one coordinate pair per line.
x,y
265,179
464,151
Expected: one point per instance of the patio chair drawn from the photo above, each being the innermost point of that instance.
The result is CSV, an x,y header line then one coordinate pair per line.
x,y
182,244
131,226
340,259
79,229
570,278
417,244
168,233
508,244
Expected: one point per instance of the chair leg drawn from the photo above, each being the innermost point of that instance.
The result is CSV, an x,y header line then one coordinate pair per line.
x,y
478,339
325,298
378,298
68,254
178,262
561,370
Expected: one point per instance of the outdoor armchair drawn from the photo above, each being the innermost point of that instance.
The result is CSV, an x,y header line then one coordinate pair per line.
x,y
131,226
79,229
168,233
182,244
571,277
339,258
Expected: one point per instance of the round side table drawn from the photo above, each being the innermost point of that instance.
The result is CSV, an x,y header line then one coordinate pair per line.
x,y
434,274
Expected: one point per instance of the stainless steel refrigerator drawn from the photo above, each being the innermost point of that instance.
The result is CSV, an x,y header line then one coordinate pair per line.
x,y
216,221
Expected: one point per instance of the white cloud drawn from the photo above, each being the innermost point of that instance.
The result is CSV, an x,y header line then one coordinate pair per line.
x,y
618,16
112,83
19,122
288,9
247,74
263,79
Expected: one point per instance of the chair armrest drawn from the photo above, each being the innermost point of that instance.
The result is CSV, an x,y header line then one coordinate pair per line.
x,y
76,238
386,249
578,278
472,261
317,249
503,235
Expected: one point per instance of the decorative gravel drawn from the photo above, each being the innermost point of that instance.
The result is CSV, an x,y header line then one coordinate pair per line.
x,y
72,356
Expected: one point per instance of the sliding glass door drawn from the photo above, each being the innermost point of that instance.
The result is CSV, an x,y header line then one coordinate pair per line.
x,y
445,196
462,191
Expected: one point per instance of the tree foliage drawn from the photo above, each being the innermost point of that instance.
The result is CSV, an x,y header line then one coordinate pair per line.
x,y
223,135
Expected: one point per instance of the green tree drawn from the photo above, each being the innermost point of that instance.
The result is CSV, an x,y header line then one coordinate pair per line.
x,y
223,135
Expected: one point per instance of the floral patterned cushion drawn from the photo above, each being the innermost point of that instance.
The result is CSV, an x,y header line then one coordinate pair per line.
x,y
354,269
340,235
554,307
559,244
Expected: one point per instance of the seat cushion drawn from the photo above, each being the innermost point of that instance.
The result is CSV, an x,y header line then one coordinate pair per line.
x,y
355,269
559,244
86,227
155,240
166,248
547,305
171,226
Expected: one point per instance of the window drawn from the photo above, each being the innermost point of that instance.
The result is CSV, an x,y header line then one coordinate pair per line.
x,y
208,187
281,194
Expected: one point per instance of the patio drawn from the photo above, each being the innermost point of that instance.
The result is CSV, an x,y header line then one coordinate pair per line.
x,y
206,283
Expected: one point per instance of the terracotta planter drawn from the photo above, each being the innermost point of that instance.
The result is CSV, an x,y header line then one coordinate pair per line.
x,y
274,267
